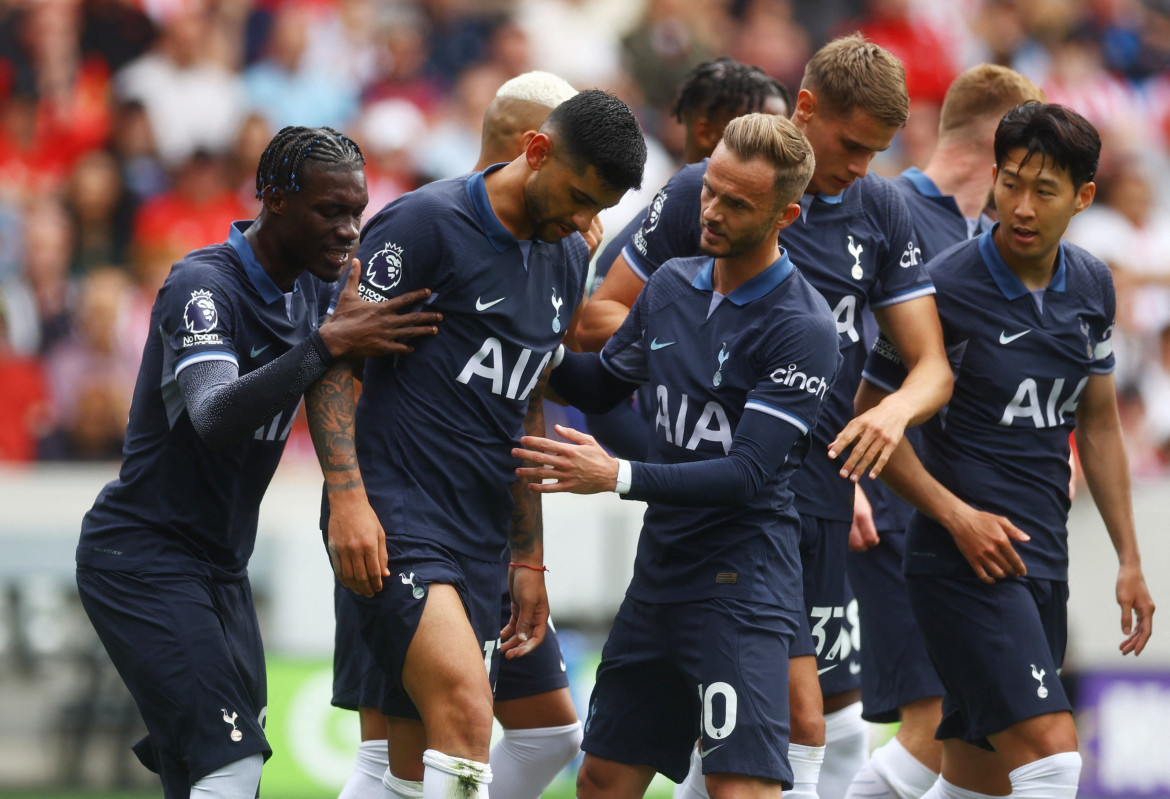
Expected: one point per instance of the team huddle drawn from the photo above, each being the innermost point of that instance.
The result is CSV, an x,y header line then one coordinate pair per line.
x,y
793,327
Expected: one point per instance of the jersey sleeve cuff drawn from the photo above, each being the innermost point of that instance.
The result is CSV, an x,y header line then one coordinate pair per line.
x,y
624,476
322,350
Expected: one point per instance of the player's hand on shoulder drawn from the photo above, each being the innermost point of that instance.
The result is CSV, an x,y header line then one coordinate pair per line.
x,y
362,329
985,540
1137,609
529,621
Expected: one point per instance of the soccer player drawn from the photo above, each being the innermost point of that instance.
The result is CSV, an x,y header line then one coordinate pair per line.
x,y
431,505
1027,319
532,699
162,560
741,351
946,201
711,95
855,243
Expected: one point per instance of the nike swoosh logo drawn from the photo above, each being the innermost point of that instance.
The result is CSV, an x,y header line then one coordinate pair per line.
x,y
704,752
827,668
480,305
654,345
1004,338
257,350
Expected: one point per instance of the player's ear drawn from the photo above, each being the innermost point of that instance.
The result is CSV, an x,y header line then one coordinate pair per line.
x,y
275,200
707,133
788,215
806,106
1085,195
538,150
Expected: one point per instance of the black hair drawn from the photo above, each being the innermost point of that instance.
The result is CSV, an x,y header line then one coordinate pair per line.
x,y
596,129
289,149
1055,132
724,84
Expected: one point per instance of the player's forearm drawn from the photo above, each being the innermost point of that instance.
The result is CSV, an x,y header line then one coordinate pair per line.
x,y
527,530
927,388
1106,469
909,479
330,405
600,319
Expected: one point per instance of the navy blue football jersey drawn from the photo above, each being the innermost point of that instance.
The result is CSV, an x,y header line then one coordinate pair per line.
x,y
435,429
177,504
938,224
859,250
768,347
670,228
1021,361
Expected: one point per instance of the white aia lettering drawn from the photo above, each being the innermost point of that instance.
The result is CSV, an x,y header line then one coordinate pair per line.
x,y
1026,403
489,363
846,315
712,424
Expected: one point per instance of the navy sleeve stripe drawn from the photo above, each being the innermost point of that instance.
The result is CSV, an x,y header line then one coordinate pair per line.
x,y
779,413
200,357
905,296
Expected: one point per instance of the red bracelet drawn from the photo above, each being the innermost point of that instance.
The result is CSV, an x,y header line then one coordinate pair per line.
x,y
526,566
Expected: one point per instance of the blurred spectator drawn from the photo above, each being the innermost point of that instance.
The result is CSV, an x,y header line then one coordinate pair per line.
x,y
770,38
403,69
929,65
116,31
91,374
576,39
1155,393
452,144
36,301
672,37
192,101
287,89
23,402
132,144
388,132
196,212
101,210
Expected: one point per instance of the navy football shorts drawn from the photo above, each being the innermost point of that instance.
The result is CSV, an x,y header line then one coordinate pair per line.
x,y
188,648
895,668
387,621
829,629
998,649
714,670
359,682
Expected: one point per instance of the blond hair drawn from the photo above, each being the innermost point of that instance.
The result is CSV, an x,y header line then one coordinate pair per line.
x,y
851,72
983,94
777,141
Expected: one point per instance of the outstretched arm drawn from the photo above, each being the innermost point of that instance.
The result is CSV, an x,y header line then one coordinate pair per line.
x,y
915,331
1106,469
605,311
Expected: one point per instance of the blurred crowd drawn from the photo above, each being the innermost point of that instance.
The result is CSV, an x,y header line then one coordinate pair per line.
x,y
130,132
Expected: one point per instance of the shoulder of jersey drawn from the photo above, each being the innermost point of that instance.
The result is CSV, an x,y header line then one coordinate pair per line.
x,y
426,202
955,262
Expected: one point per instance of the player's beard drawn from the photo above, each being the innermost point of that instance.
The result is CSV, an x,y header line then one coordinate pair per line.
x,y
536,205
743,243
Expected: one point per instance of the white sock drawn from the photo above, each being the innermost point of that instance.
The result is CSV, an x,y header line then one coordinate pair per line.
x,y
891,773
947,790
397,788
1053,777
524,762
695,784
806,770
846,750
239,779
365,780
445,777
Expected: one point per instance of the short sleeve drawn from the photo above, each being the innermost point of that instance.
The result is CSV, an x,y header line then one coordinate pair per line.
x,y
798,369
670,228
884,367
1101,328
902,273
197,316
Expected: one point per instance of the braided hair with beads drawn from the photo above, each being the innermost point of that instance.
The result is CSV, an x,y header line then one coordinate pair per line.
x,y
284,158
723,84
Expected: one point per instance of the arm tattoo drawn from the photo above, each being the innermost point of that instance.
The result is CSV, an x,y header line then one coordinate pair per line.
x,y
330,406
526,535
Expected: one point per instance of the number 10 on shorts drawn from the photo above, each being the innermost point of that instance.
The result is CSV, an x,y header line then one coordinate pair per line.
x,y
707,700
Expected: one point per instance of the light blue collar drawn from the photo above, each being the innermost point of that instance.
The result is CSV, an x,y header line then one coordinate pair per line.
x,y
269,291
757,287
1011,286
